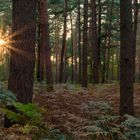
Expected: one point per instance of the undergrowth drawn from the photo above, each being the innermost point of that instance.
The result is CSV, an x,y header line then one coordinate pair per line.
x,y
29,117
29,121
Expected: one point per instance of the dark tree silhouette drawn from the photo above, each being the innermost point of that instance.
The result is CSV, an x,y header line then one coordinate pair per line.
x,y
85,46
126,58
95,43
63,51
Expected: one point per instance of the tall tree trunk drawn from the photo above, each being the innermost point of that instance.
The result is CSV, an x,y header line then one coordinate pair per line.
x,y
85,46
99,33
41,43
118,62
75,51
112,72
126,58
109,43
22,61
45,53
65,74
118,53
40,71
107,67
95,44
72,47
63,51
90,51
57,49
49,76
136,10
79,40
104,51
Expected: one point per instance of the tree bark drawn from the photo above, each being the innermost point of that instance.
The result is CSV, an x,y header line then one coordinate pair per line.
x,y
57,49
109,42
95,44
22,59
49,76
72,49
104,51
126,58
45,50
39,73
63,51
136,10
99,34
85,46
41,43
79,40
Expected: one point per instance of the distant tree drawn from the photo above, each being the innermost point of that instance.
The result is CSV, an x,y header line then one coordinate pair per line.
x,y
94,42
63,50
99,29
49,76
126,58
57,45
21,76
109,37
5,17
85,46
44,50
72,48
79,39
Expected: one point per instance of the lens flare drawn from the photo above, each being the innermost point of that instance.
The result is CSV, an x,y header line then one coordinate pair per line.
x,y
7,42
2,42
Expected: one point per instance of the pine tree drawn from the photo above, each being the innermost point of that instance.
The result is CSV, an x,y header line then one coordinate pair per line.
x,y
22,60
126,58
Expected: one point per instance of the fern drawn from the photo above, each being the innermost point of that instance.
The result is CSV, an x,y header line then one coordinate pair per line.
x,y
25,114
116,128
6,96
30,112
133,126
13,116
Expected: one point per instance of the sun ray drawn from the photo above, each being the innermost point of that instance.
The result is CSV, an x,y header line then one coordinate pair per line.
x,y
2,42
7,42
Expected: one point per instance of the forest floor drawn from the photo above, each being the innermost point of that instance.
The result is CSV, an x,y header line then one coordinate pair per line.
x,y
73,109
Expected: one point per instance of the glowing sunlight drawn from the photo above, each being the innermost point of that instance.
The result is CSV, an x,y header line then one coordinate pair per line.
x,y
2,42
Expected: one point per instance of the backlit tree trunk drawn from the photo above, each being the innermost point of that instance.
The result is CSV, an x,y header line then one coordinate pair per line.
x,y
45,53
23,50
79,40
109,42
63,51
72,48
